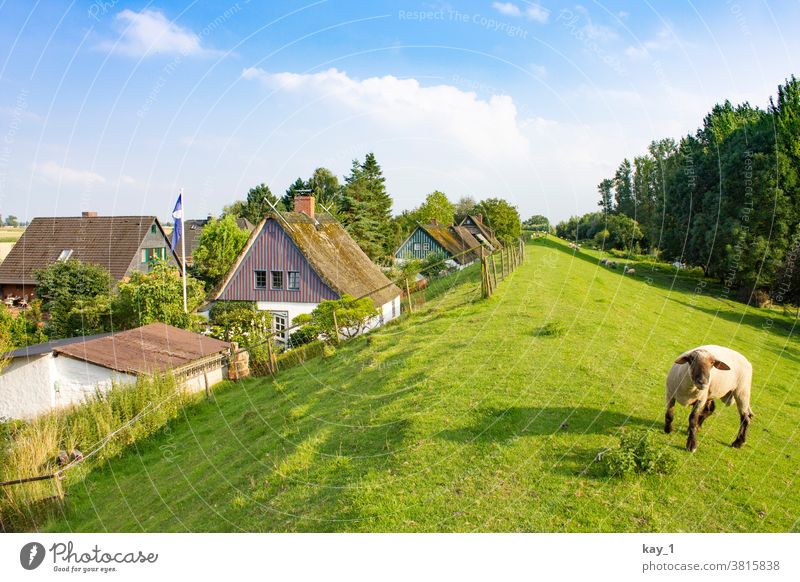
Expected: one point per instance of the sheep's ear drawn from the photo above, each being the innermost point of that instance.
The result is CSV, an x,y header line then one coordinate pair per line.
x,y
683,359
721,365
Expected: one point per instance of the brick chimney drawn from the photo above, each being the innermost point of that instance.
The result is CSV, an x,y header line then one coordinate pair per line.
x,y
304,204
434,222
89,213
479,218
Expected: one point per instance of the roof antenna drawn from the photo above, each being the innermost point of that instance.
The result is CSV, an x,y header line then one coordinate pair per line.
x,y
279,215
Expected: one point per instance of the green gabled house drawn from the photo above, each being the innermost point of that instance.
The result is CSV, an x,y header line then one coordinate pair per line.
x,y
454,242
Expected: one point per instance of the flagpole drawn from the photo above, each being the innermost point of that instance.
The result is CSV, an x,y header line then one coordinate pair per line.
x,y
183,250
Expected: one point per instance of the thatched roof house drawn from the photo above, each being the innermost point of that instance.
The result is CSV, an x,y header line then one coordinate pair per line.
x,y
294,260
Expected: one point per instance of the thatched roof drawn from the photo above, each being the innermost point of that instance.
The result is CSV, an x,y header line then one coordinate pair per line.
x,y
331,252
455,240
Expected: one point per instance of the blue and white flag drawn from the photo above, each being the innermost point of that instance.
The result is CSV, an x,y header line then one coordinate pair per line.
x,y
177,215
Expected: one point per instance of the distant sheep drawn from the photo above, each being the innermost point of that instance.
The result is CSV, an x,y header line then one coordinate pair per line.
x,y
604,261
700,376
629,270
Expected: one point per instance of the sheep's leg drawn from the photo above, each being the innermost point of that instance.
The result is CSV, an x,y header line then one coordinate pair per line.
x,y
708,410
745,414
742,436
669,415
691,442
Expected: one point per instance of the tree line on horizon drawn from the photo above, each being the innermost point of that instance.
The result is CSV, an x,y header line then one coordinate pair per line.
x,y
364,207
725,198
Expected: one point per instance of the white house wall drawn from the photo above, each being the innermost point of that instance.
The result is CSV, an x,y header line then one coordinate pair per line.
x,y
26,387
74,380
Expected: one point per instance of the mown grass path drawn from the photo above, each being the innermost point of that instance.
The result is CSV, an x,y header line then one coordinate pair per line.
x,y
478,415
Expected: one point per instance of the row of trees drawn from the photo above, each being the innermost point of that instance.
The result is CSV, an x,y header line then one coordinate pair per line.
x,y
726,198
364,207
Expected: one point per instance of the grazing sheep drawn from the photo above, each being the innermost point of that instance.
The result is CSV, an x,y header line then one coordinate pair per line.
x,y
700,376
604,261
629,270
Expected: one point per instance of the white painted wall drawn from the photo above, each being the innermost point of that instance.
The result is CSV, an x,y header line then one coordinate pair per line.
x,y
35,385
26,387
74,380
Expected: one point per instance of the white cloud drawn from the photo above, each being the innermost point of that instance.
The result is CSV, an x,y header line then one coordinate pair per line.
x,y
150,32
538,70
664,40
54,173
531,11
488,129
537,13
507,8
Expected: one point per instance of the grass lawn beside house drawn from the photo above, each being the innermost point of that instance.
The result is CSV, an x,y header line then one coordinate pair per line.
x,y
474,415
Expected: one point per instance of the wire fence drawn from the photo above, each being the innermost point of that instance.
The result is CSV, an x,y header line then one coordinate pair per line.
x,y
495,267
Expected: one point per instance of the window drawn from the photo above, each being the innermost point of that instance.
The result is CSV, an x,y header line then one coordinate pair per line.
x,y
293,280
416,246
280,321
65,254
261,279
151,255
277,279
426,246
153,228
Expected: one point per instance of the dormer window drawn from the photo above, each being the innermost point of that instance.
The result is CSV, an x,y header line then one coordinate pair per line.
x,y
65,254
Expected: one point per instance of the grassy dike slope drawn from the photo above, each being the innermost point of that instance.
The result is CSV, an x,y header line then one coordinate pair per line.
x,y
479,415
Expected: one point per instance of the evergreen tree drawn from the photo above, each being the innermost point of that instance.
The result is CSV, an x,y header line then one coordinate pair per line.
x,y
606,196
366,208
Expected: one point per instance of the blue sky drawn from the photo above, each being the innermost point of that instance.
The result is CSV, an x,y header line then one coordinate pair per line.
x,y
112,106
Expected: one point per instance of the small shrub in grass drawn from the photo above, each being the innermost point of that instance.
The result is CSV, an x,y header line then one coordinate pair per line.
x,y
639,452
551,329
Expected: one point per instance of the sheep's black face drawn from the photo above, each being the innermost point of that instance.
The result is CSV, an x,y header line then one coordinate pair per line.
x,y
700,364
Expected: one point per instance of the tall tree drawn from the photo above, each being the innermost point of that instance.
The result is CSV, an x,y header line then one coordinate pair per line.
x,y
436,207
606,195
256,206
502,217
221,241
366,208
463,208
325,186
623,190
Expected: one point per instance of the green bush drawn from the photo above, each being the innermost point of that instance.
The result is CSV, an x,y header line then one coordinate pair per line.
x,y
639,452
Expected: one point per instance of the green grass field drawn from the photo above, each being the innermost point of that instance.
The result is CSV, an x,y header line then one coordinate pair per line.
x,y
478,415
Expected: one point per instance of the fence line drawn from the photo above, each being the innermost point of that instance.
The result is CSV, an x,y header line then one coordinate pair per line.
x,y
513,255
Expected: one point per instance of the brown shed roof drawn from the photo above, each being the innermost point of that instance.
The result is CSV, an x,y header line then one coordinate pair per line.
x,y
332,253
108,241
455,240
149,349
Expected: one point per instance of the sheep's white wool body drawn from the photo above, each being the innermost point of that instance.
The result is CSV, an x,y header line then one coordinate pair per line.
x,y
733,383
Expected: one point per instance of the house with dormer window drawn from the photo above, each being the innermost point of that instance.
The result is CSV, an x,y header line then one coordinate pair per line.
x,y
295,260
121,244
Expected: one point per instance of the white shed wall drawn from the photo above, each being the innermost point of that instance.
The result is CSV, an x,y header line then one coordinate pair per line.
x,y
26,387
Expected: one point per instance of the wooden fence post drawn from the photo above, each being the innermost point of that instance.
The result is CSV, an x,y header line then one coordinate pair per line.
x,y
494,271
335,328
408,295
486,290
502,264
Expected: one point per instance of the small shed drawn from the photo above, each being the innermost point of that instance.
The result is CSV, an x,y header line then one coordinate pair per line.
x,y
59,373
